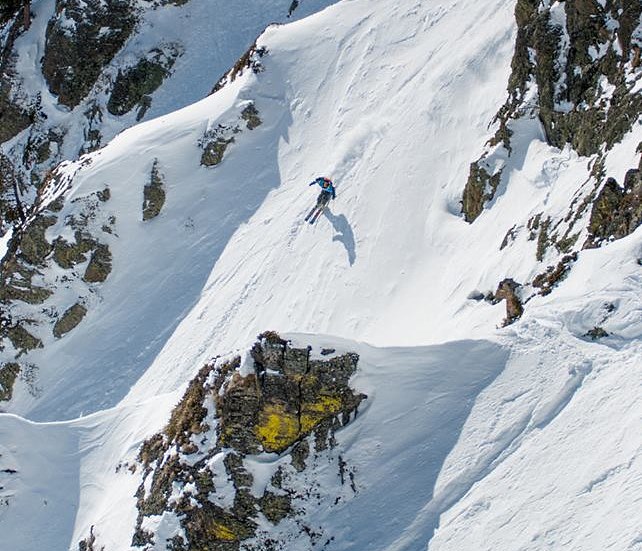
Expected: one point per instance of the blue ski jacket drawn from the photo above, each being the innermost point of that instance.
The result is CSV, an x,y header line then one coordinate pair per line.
x,y
326,185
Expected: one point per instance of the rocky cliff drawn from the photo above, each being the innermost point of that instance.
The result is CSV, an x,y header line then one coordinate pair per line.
x,y
280,408
576,78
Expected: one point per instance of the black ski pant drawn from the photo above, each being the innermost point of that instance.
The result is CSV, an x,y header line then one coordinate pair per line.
x,y
323,199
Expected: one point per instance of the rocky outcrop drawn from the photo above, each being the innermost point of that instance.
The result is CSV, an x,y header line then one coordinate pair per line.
x,y
575,76
580,57
14,115
507,290
215,146
89,543
27,253
21,339
134,86
549,279
13,118
480,188
251,117
251,59
288,404
216,141
80,41
617,211
575,66
289,397
293,6
8,374
153,194
44,267
69,320
67,255
99,266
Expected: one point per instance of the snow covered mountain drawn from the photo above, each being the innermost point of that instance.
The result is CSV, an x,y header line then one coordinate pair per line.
x,y
85,70
453,351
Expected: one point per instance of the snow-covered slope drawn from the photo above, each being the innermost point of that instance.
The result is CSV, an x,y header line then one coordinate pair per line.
x,y
187,47
499,438
319,279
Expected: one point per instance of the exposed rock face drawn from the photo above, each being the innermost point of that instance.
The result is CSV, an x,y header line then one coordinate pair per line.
x,y
33,245
67,255
81,40
196,470
596,333
216,141
27,253
580,59
22,340
249,60
8,374
617,211
507,290
575,66
293,6
88,544
214,150
292,395
134,85
42,263
99,265
8,9
153,194
480,188
549,279
70,319
13,118
251,117
574,75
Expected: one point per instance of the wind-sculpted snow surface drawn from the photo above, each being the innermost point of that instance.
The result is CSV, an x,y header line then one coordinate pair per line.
x,y
474,435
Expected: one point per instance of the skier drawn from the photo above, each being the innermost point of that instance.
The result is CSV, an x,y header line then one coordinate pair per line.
x,y
328,192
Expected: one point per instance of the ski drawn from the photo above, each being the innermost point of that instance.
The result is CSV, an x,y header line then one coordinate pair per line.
x,y
309,215
316,216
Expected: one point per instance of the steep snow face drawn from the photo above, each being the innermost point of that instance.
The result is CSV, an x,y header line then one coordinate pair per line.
x,y
392,101
374,97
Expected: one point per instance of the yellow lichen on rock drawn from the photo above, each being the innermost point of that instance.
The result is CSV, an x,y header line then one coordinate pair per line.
x,y
312,413
277,428
222,532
